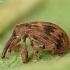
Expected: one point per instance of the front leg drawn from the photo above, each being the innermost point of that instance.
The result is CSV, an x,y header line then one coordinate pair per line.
x,y
14,45
35,50
24,53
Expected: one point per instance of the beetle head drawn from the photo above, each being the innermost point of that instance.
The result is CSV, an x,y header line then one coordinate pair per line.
x,y
22,29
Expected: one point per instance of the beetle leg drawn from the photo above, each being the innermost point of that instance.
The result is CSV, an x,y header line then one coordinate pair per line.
x,y
35,50
53,51
52,48
24,53
14,45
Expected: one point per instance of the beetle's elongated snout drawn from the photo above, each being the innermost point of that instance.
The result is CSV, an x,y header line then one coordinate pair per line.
x,y
7,46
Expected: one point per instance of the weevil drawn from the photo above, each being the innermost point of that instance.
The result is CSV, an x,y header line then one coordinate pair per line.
x,y
45,35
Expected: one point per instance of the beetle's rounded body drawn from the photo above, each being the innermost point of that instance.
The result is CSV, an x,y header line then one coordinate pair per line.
x,y
46,35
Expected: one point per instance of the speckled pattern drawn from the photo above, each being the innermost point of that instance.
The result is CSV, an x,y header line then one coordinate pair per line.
x,y
53,11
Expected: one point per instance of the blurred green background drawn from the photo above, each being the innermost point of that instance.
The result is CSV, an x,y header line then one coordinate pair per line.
x,y
13,12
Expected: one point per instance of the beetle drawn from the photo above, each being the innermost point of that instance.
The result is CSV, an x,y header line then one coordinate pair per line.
x,y
45,35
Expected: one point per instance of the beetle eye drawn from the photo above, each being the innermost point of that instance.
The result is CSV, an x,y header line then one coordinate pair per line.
x,y
14,33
